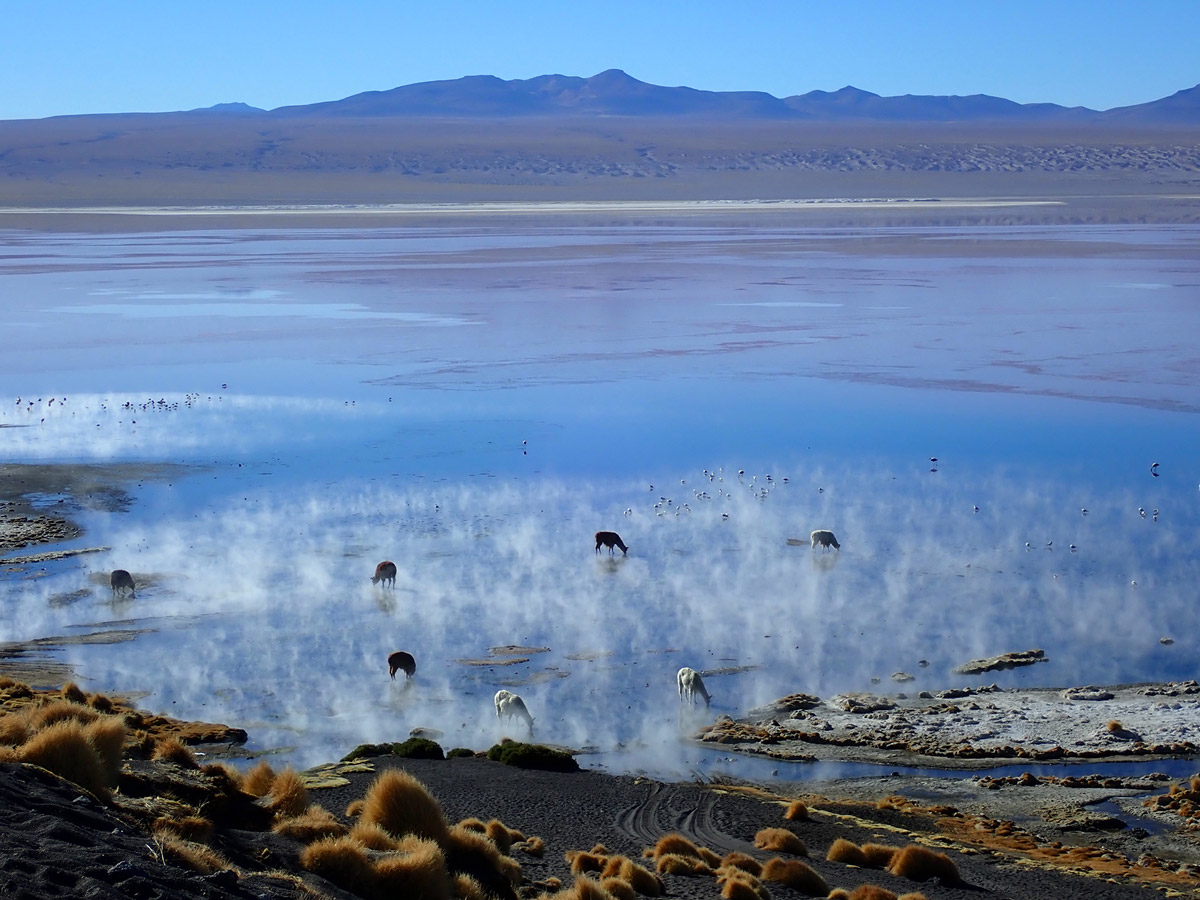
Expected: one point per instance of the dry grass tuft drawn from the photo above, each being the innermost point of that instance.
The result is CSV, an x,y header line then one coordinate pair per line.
x,y
14,731
674,844
418,871
639,878
342,861
920,864
678,864
467,849
372,837
500,835
534,846
582,861
737,884
796,875
354,808
599,850
171,749
60,711
797,811
839,894
914,895
196,829
313,824
848,852
1114,725
871,892
467,887
878,856
622,890
64,749
780,840
288,795
257,782
190,855
743,861
101,704
401,805
72,693
474,824
584,889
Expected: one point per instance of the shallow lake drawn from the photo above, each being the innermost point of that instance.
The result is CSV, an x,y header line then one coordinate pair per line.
x,y
474,399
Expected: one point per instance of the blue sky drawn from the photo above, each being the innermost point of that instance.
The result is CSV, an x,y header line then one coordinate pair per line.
x,y
80,56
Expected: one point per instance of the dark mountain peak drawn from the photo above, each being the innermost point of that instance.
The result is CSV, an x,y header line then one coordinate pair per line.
x,y
235,108
1181,108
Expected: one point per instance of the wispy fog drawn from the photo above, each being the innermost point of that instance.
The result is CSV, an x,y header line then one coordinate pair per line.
x,y
259,609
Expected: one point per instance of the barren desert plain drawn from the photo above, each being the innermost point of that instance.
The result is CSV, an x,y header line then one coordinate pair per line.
x,y
248,389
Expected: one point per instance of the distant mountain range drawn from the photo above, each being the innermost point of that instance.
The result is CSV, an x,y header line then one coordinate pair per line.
x,y
614,93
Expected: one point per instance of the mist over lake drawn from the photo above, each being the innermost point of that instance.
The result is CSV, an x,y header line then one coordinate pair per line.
x,y
474,399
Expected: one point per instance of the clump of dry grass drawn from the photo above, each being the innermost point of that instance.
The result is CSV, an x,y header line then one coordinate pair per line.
x,y
871,892
196,829
533,845
190,855
839,894
257,782
474,824
313,824
622,890
1114,726
583,861
372,836
14,730
797,811
920,864
878,856
847,852
500,834
72,693
171,749
417,870
59,711
744,861
796,875
678,864
401,805
466,849
467,887
342,861
288,795
102,704
639,878
913,895
65,749
675,844
780,840
737,884
584,888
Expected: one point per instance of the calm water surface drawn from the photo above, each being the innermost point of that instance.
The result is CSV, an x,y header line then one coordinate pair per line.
x,y
474,401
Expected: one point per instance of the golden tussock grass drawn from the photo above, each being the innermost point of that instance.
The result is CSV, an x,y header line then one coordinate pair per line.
x,y
372,836
871,892
474,824
500,835
673,844
418,871
532,845
60,711
599,850
914,895
288,795
919,863
101,704
190,855
14,730
196,829
171,749
740,885
72,693
1114,725
796,875
313,824
678,864
622,890
466,849
107,735
257,782
848,852
839,894
743,861
401,805
582,861
780,840
639,878
797,811
64,749
467,888
223,774
342,861
584,888
1194,783
354,808
878,856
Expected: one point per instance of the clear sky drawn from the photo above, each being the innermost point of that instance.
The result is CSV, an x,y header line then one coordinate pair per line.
x,y
62,57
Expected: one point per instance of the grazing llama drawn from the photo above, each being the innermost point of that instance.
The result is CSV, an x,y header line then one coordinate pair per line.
x,y
401,662
509,705
610,539
691,685
119,580
385,572
823,538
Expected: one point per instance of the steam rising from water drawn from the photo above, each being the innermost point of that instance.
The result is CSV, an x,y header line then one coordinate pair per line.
x,y
256,591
